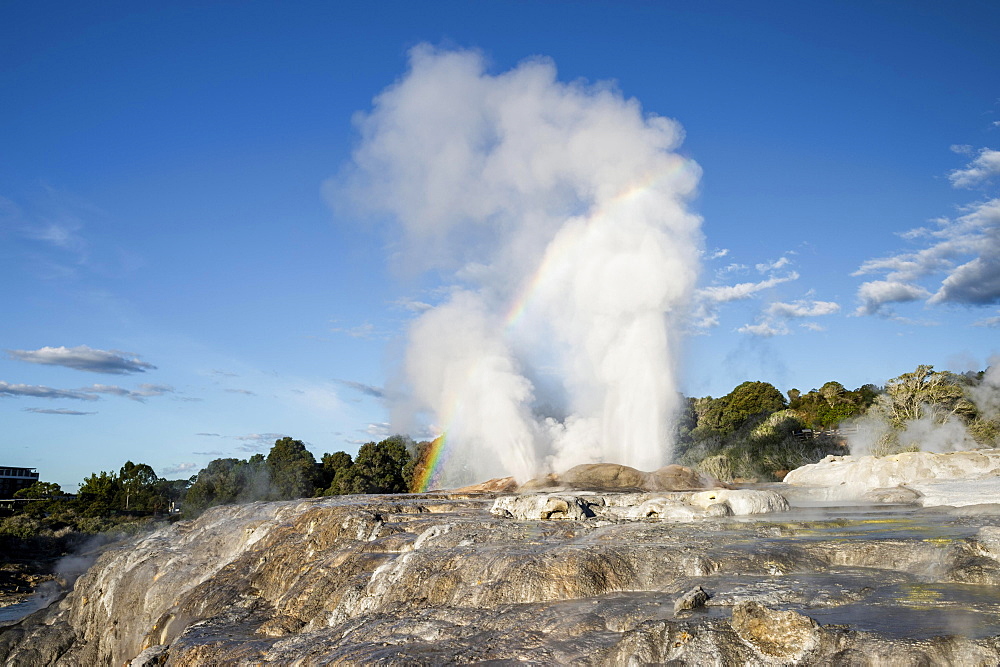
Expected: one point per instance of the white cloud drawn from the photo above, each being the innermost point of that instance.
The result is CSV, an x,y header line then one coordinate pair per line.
x,y
802,309
84,358
727,293
765,329
774,319
981,170
875,296
412,305
781,262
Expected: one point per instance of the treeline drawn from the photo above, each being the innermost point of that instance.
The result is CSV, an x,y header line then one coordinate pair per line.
x,y
291,471
757,433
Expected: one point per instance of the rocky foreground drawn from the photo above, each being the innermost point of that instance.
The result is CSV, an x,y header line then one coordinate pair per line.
x,y
568,574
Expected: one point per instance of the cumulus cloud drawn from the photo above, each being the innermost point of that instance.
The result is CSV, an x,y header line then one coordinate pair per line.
x,y
36,391
58,411
979,171
557,214
83,358
875,296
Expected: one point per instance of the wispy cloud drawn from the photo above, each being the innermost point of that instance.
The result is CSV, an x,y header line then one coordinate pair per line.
x,y
412,305
245,392
727,293
257,442
773,321
992,322
84,358
361,388
36,391
58,411
779,263
366,331
802,308
143,392
180,468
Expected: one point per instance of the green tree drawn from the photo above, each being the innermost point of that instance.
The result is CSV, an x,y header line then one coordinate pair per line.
x,y
379,466
98,494
749,399
293,469
40,491
330,466
225,481
137,487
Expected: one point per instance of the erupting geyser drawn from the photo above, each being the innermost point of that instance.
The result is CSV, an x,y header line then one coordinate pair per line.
x,y
555,215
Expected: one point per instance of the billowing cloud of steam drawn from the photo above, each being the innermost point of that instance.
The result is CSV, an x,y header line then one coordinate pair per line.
x,y
556,214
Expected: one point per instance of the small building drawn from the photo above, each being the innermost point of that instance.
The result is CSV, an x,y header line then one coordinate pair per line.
x,y
13,480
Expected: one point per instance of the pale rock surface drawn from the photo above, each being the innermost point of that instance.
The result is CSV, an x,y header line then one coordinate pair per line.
x,y
954,478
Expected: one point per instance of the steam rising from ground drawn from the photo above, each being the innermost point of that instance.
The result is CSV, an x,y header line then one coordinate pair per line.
x,y
555,215
932,431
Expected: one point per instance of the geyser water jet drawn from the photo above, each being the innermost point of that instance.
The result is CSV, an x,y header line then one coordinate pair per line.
x,y
556,215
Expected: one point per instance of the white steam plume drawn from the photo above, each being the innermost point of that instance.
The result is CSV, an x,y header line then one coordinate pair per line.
x,y
556,214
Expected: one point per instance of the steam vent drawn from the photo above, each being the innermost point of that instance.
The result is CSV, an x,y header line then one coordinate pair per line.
x,y
602,565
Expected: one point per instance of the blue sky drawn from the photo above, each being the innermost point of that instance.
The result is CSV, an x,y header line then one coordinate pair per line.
x,y
179,288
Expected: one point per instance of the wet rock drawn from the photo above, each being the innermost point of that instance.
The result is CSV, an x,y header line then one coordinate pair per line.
x,y
693,599
785,635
